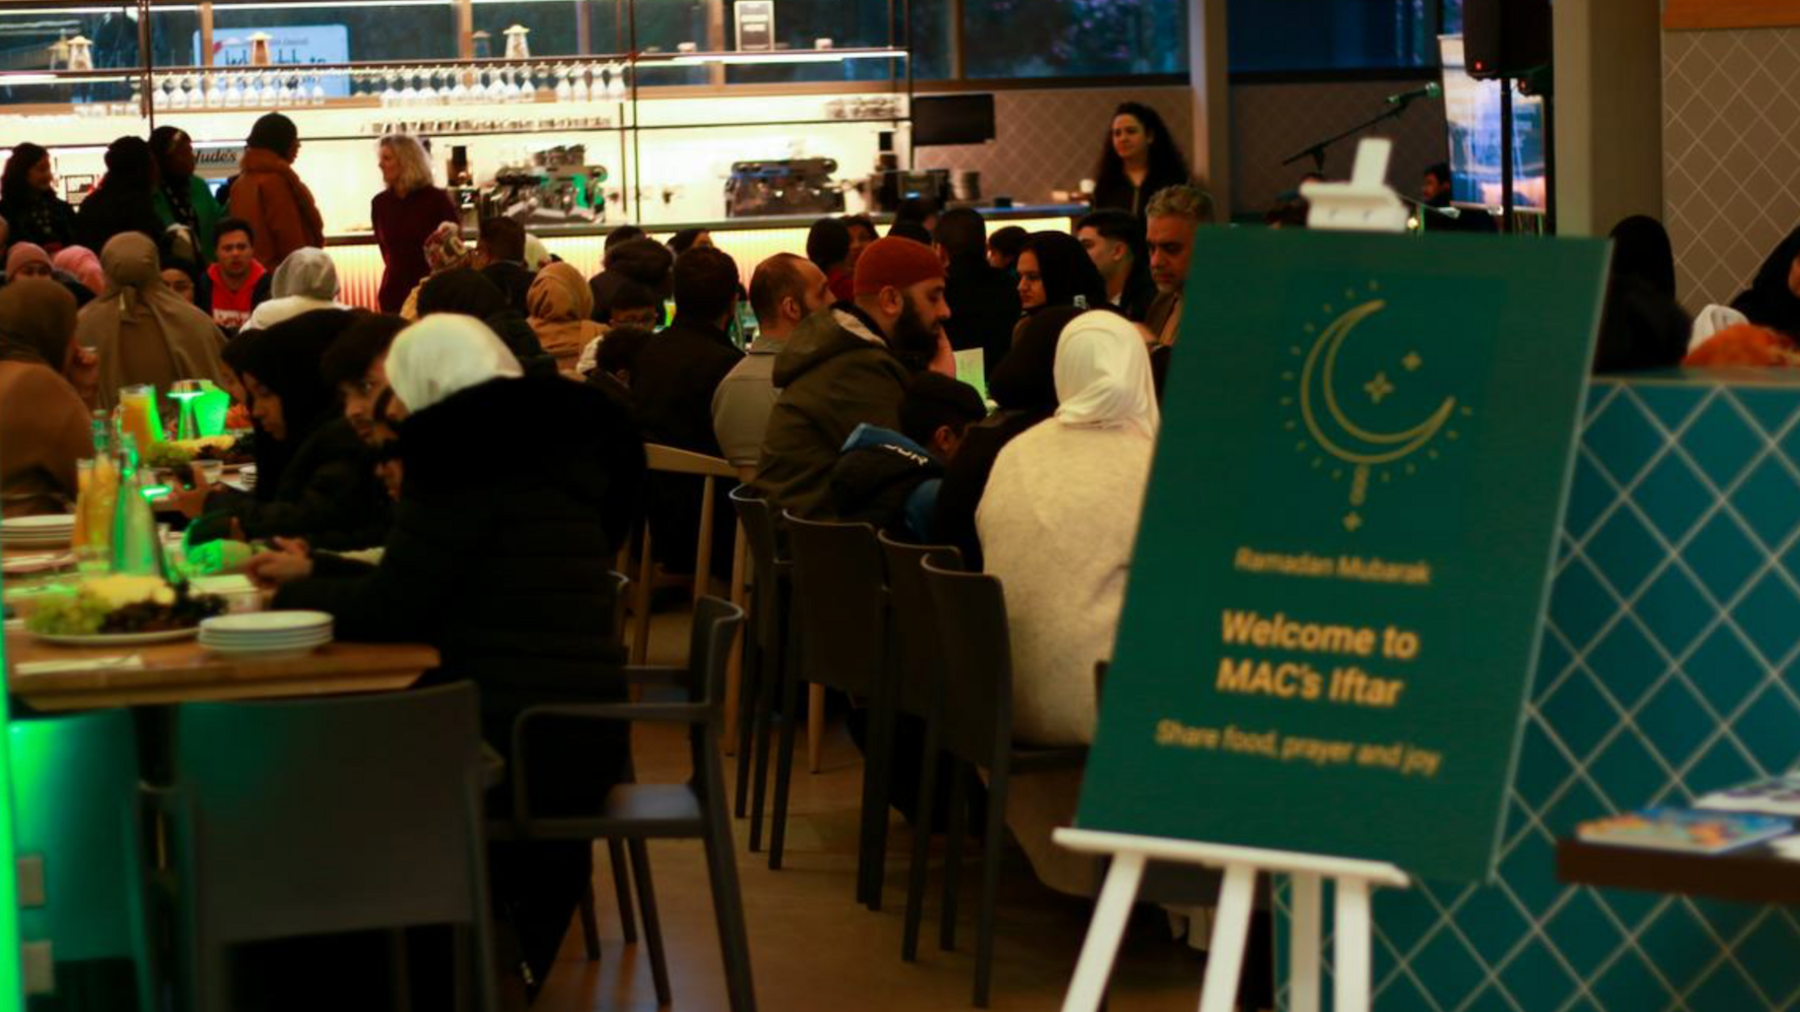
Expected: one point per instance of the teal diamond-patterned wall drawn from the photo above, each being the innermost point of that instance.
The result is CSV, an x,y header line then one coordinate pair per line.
x,y
1667,669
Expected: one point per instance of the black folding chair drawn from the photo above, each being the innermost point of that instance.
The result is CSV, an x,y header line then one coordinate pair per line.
x,y
977,730
637,813
840,600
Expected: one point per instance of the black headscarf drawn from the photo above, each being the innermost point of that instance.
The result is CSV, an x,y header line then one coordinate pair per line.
x,y
1770,302
1641,249
1067,270
286,359
1025,380
469,292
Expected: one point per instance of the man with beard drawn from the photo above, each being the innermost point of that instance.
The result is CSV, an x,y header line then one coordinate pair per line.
x,y
850,366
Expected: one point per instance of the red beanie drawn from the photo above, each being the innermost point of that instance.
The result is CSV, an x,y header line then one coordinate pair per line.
x,y
896,263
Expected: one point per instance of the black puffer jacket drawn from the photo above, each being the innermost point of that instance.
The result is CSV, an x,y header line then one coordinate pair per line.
x,y
889,482
516,496
328,494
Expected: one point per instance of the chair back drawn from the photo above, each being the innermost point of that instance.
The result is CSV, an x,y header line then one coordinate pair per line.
x,y
977,703
916,637
842,602
716,621
333,815
621,591
76,807
769,566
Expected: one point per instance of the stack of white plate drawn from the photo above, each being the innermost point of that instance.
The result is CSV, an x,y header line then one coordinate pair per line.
x,y
266,635
38,532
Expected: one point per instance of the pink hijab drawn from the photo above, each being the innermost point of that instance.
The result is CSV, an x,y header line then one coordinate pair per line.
x,y
84,264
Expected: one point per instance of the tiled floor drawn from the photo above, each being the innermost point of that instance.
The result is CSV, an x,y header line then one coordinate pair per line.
x,y
813,948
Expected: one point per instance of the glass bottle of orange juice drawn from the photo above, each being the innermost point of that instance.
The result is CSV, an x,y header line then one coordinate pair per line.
x,y
98,494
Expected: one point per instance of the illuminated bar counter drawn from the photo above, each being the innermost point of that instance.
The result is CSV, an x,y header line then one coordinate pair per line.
x,y
1667,670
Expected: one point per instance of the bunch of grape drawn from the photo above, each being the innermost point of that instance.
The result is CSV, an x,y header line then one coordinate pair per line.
x,y
67,615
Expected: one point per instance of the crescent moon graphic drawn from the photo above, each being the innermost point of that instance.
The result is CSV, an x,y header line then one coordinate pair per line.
x,y
1321,363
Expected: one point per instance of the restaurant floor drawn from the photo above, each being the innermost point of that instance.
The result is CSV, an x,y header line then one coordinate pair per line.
x,y
813,948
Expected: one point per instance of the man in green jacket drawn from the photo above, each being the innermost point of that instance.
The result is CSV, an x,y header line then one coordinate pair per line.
x,y
850,365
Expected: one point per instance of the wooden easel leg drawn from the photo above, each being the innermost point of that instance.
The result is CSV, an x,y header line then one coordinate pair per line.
x,y
1306,942
1225,960
1351,947
1104,935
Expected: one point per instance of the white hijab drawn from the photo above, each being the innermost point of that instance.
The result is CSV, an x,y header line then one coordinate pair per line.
x,y
444,354
1103,376
305,281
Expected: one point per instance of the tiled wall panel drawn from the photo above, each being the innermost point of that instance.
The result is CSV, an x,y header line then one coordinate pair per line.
x,y
1667,670
1731,154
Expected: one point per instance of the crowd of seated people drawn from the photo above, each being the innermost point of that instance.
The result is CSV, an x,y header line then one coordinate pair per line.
x,y
371,424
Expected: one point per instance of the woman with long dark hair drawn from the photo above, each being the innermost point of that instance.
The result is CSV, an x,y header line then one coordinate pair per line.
x,y
28,200
1140,157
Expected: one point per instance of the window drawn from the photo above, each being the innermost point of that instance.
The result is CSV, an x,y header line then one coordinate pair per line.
x,y
1325,35
1073,38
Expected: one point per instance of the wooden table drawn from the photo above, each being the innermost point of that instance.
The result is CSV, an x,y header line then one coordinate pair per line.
x,y
183,672
1752,875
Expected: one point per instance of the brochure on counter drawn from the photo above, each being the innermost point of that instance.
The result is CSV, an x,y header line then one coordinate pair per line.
x,y
1773,796
1684,830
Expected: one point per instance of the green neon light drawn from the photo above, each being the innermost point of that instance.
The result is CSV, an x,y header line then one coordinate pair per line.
x,y
12,983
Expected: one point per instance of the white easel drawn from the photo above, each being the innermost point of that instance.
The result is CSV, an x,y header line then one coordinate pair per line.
x,y
1365,204
1231,926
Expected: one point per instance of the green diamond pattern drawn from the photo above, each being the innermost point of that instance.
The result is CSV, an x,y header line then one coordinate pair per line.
x,y
1670,666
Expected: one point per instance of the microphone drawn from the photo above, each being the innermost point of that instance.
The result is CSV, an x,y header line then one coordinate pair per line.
x,y
1432,90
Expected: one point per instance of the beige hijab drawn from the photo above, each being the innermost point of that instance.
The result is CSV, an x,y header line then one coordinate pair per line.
x,y
561,302
144,332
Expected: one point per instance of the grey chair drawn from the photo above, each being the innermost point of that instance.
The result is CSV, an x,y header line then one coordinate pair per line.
x,y
77,811
840,603
766,655
977,730
330,816
920,693
637,813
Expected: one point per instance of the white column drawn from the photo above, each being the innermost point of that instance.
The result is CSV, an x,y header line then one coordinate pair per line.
x,y
1212,100
1608,113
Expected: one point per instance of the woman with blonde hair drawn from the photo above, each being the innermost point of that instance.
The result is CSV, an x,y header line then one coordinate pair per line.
x,y
405,215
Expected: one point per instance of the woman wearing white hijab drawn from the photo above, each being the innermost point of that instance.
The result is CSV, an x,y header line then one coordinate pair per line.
x,y
305,281
517,493
1057,524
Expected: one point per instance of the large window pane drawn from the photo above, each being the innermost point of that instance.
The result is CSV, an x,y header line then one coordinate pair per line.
x,y
930,39
552,25
801,25
36,38
363,31
1071,38
1311,35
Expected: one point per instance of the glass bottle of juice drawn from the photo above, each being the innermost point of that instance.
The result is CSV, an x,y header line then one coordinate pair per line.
x,y
99,494
135,548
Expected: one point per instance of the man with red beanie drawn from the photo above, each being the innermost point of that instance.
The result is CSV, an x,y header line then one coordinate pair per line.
x,y
850,365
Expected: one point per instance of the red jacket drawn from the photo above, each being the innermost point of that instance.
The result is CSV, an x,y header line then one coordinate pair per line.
x,y
269,196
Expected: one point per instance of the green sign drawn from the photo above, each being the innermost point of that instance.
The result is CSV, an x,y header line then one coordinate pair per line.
x,y
1335,602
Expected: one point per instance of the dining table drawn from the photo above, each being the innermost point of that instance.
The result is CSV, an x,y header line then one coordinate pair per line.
x,y
55,678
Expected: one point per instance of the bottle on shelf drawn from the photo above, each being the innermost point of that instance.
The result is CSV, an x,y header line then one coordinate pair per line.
x,y
136,551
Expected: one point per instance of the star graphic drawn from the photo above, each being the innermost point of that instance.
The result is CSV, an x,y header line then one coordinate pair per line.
x,y
1352,522
1412,361
1379,387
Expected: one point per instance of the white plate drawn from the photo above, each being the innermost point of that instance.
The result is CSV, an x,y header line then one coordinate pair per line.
x,y
51,522
121,639
265,622
285,653
268,643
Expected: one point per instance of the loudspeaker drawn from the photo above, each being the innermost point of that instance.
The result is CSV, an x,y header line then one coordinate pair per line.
x,y
1505,38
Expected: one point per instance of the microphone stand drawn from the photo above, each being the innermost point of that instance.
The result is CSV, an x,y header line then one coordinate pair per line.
x,y
1317,151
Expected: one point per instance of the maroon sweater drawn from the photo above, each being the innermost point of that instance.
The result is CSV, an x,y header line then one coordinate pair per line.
x,y
402,224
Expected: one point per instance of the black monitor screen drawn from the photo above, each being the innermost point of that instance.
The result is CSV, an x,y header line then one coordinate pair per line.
x,y
952,119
